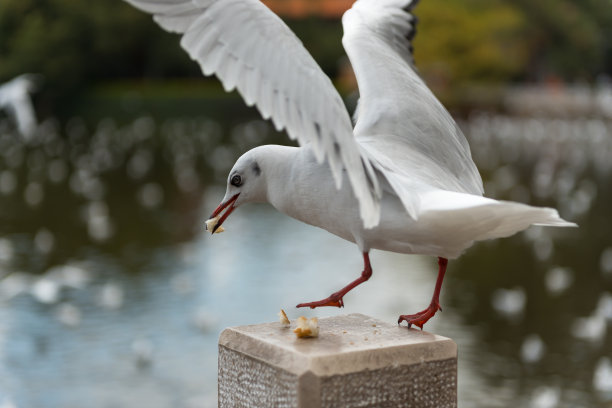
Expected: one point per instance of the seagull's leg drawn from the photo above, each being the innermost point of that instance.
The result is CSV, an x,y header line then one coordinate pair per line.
x,y
419,319
335,299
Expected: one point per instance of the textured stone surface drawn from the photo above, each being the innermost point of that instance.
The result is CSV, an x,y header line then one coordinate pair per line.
x,y
248,382
356,361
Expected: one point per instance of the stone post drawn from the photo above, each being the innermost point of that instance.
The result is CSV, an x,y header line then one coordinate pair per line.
x,y
356,361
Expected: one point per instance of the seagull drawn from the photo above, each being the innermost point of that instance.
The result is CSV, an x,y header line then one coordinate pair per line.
x,y
15,99
402,179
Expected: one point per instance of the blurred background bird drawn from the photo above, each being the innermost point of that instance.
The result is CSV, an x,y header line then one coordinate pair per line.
x,y
16,100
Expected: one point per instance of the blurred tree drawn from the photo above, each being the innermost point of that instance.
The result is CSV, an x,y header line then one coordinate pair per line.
x,y
469,41
567,38
74,43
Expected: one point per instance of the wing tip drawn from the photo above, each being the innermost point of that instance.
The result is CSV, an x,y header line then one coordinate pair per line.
x,y
411,5
555,220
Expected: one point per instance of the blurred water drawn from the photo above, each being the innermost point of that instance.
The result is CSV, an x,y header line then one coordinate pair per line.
x,y
112,294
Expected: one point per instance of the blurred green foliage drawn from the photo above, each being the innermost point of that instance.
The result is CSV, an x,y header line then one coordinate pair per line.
x,y
78,44
501,40
570,39
75,44
470,40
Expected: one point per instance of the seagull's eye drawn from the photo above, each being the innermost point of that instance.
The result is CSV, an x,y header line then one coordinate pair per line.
x,y
236,180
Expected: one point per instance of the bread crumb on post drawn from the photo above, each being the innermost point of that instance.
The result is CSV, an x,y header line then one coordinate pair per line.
x,y
307,327
284,320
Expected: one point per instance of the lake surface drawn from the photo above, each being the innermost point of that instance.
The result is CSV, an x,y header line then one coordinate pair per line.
x,y
113,295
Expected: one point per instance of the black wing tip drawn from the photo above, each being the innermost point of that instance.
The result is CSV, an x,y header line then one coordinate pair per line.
x,y
413,32
411,5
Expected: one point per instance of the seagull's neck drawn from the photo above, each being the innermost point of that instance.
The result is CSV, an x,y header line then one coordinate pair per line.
x,y
298,185
277,164
290,174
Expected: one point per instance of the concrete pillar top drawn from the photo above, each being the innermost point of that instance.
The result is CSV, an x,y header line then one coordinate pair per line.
x,y
346,344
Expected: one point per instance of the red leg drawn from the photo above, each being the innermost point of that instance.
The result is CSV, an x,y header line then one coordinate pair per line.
x,y
419,319
335,299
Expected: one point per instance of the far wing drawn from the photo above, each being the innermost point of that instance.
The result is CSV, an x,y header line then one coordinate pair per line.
x,y
399,120
250,48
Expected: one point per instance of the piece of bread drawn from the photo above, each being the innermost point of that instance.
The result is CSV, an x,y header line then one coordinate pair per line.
x,y
211,223
284,320
307,327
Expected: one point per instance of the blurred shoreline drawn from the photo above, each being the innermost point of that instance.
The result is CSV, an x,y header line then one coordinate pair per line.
x,y
123,100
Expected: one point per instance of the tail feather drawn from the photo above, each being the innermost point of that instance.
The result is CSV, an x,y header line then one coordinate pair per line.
x,y
464,218
553,219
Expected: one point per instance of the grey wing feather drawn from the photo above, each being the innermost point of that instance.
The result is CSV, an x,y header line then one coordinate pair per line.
x,y
405,129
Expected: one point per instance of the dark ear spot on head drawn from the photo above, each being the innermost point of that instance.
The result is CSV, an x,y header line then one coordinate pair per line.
x,y
256,169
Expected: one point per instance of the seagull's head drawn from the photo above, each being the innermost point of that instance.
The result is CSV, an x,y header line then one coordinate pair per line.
x,y
245,184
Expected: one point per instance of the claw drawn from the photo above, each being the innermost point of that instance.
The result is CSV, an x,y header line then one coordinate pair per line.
x,y
333,300
419,319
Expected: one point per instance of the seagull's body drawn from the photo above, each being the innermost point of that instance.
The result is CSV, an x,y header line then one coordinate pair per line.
x,y
296,184
402,179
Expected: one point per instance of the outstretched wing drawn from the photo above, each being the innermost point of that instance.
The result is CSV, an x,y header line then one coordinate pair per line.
x,y
251,49
406,131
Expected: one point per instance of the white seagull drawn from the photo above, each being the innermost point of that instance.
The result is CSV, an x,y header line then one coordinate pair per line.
x,y
402,179
15,99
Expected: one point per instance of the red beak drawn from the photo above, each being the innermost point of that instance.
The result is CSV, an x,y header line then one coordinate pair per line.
x,y
229,203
